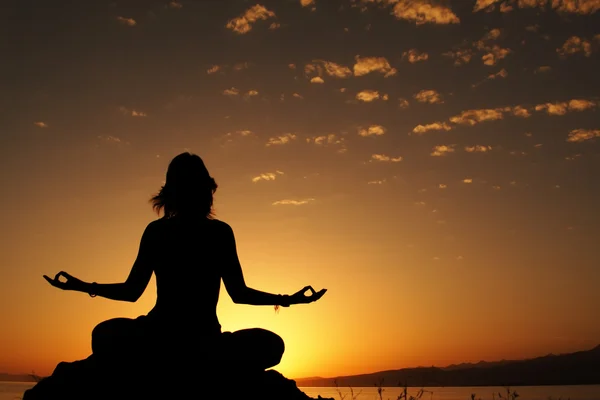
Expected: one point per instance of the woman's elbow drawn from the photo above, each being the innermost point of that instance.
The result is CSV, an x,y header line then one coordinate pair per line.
x,y
238,296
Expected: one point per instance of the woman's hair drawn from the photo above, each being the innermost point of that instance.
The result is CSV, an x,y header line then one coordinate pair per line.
x,y
188,189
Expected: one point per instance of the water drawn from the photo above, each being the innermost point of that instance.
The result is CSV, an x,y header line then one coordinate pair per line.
x,y
584,392
14,391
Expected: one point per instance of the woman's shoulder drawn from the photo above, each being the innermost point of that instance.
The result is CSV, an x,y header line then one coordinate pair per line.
x,y
211,223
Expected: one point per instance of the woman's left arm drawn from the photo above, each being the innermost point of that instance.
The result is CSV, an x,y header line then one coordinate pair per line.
x,y
130,290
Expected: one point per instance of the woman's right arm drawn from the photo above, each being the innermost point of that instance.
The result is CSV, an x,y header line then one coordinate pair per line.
x,y
233,277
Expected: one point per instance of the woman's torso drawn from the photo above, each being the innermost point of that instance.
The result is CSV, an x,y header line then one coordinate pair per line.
x,y
188,279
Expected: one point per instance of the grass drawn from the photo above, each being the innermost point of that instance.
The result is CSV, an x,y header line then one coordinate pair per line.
x,y
404,395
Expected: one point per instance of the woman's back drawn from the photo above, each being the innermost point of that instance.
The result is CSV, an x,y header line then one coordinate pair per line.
x,y
187,255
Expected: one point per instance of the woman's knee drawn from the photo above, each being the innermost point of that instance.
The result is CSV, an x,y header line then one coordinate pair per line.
x,y
104,332
273,347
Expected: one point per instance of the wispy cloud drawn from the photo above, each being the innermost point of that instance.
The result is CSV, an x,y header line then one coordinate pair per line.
x,y
574,45
243,23
213,70
414,56
282,139
442,150
478,149
472,117
561,108
460,56
368,96
428,96
175,4
423,12
583,7
111,139
126,21
133,113
290,202
40,124
372,130
582,135
367,65
435,126
231,92
385,158
267,176
403,103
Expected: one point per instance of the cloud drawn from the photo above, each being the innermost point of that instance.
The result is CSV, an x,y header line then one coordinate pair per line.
x,y
110,139
442,150
583,7
330,68
403,103
423,12
214,69
574,45
472,117
414,56
366,65
243,23
581,135
467,180
519,111
282,139
306,3
495,53
367,95
436,126
428,96
175,4
41,124
267,176
241,66
274,25
330,139
500,74
132,113
478,149
461,56
126,21
561,108
385,158
483,4
542,69
231,92
373,130
297,96
293,202
317,79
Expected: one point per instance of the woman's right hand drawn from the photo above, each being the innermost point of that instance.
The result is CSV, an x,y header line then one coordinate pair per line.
x,y
71,283
301,298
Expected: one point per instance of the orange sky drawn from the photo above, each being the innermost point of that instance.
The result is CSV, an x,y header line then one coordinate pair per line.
x,y
437,171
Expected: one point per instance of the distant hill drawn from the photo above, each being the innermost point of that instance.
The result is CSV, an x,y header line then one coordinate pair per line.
x,y
579,368
4,377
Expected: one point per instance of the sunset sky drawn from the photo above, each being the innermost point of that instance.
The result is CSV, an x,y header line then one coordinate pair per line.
x,y
433,164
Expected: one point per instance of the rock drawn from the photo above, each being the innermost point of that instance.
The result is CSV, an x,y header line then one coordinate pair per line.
x,y
158,379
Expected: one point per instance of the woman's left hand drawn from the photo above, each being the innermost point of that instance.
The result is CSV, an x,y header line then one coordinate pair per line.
x,y
71,283
300,297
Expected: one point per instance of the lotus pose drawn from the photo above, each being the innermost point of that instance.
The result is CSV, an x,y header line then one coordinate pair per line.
x,y
189,251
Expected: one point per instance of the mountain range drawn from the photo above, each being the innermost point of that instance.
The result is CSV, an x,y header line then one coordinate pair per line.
x,y
578,368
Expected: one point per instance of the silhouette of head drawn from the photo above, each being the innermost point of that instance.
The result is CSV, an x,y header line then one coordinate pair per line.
x,y
188,189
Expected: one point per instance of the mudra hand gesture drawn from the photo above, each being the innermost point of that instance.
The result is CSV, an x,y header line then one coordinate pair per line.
x,y
300,297
70,282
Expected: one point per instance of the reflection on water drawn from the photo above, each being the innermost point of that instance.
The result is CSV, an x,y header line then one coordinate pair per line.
x,y
14,391
583,392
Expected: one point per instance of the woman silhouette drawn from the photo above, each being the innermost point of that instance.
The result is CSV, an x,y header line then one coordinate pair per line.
x,y
189,251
